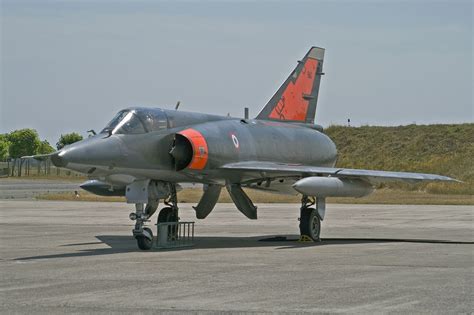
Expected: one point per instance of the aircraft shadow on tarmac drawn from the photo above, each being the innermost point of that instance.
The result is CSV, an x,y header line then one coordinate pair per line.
x,y
118,244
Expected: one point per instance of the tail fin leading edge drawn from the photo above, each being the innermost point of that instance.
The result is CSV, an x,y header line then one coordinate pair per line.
x,y
296,99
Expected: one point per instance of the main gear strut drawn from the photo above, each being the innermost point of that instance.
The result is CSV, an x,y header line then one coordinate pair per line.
x,y
310,218
170,213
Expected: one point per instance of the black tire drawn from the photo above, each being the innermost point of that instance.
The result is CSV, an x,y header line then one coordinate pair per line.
x,y
144,243
310,224
169,215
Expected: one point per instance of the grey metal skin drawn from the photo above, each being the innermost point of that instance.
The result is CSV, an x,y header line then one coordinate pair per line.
x,y
121,158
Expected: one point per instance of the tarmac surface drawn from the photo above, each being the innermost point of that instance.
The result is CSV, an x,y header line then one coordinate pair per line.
x,y
30,188
27,188
58,257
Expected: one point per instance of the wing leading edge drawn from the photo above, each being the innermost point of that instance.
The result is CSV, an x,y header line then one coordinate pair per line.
x,y
371,176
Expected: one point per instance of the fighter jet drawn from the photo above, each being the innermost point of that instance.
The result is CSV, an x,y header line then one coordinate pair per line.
x,y
145,154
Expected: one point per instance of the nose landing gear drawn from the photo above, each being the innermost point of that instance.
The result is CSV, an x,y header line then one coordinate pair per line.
x,y
144,235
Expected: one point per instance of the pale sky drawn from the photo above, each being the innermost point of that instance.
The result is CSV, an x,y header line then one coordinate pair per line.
x,y
70,65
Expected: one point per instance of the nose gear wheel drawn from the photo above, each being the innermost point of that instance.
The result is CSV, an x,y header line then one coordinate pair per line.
x,y
145,242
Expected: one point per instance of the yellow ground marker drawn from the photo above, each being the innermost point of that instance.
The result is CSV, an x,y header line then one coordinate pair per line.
x,y
305,239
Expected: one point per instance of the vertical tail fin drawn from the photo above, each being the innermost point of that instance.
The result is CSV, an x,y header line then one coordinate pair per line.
x,y
296,99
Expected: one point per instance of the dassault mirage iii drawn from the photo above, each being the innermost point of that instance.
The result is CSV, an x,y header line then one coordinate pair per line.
x,y
145,154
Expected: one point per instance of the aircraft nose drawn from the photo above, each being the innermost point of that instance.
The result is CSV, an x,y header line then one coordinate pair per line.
x,y
58,161
91,151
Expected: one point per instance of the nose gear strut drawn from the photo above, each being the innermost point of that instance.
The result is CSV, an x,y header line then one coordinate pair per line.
x,y
143,235
142,214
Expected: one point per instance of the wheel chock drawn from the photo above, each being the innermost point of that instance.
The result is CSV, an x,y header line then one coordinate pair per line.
x,y
305,239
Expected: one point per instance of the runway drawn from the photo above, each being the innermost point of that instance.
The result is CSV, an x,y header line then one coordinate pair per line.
x,y
58,257
30,188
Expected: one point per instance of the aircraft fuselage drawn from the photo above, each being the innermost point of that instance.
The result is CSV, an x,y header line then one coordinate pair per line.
x,y
123,157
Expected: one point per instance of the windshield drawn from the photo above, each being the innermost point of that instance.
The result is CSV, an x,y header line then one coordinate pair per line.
x,y
152,119
125,122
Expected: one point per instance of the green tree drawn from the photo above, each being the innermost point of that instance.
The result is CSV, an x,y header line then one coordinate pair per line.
x,y
22,142
4,144
45,148
68,138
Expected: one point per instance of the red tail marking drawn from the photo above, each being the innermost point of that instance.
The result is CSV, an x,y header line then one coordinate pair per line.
x,y
292,105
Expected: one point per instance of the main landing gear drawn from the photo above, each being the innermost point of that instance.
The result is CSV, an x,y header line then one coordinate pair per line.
x,y
170,214
311,217
144,235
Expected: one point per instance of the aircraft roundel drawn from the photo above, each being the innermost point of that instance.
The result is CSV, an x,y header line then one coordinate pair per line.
x,y
235,141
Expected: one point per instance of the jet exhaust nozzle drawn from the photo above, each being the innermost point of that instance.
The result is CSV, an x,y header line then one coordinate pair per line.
x,y
332,187
182,152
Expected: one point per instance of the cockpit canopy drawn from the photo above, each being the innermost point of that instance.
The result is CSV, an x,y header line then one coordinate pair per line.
x,y
136,121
